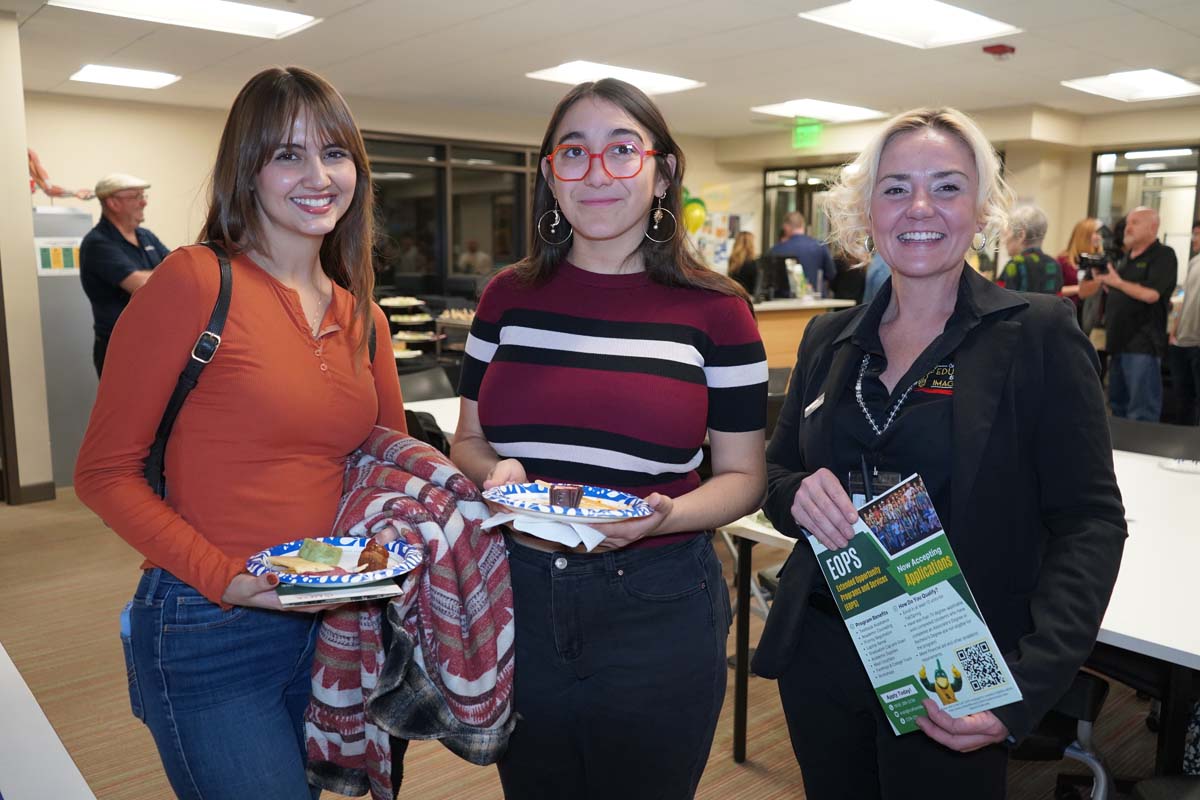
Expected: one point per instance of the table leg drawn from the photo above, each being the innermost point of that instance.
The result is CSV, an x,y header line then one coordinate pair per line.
x,y
741,672
1180,692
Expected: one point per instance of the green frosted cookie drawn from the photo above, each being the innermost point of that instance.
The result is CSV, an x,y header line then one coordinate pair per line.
x,y
320,552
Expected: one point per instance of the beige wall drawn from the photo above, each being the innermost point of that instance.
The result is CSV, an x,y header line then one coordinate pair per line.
x,y
18,275
79,140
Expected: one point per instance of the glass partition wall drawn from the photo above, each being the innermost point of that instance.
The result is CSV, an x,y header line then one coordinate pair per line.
x,y
450,212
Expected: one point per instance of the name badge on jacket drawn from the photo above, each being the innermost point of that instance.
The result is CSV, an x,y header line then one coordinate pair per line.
x,y
814,405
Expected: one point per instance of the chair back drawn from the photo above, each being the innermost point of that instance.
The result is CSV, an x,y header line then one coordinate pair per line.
x,y
1155,438
427,384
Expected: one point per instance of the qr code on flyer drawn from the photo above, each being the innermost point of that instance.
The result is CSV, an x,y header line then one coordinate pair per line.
x,y
979,666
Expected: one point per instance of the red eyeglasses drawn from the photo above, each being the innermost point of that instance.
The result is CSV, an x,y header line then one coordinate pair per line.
x,y
620,160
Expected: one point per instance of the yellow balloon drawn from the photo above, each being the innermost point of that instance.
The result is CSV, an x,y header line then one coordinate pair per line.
x,y
694,216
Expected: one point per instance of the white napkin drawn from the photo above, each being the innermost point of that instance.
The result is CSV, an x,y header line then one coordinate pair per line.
x,y
571,534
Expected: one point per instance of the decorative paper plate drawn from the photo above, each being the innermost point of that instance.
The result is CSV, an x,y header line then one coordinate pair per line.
x,y
1181,465
597,504
402,558
411,319
406,354
400,302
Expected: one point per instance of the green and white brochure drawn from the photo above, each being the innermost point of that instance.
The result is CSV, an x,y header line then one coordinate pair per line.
x,y
911,614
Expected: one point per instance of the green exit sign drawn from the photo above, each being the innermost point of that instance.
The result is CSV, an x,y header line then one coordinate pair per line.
x,y
806,133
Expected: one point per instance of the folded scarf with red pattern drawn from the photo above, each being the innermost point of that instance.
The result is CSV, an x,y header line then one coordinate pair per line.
x,y
446,672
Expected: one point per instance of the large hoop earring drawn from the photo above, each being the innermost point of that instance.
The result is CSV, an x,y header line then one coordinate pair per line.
x,y
979,242
657,217
556,220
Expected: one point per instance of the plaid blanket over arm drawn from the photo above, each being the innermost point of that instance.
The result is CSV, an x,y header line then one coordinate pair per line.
x,y
447,673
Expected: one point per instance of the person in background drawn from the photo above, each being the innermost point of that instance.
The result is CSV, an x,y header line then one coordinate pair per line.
x,y
1137,295
925,189
1085,238
1029,268
117,256
218,671
604,358
877,274
1183,352
474,260
814,257
743,262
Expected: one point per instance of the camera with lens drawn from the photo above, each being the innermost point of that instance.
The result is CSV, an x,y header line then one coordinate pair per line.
x,y
1093,263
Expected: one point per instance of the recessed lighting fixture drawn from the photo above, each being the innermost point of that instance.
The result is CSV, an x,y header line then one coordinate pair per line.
x,y
820,110
916,23
210,15
392,176
480,161
1135,85
1169,153
121,76
574,72
789,181
814,181
1151,167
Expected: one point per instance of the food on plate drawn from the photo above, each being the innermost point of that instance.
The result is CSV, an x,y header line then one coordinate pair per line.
x,y
373,557
298,565
566,495
320,552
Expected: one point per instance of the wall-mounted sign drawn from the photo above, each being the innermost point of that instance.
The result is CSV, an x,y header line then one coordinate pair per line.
x,y
806,133
57,255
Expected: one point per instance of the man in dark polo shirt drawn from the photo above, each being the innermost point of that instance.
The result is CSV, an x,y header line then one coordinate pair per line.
x,y
813,256
1138,296
116,257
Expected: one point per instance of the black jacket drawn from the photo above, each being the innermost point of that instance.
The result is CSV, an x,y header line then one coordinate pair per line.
x,y
1035,506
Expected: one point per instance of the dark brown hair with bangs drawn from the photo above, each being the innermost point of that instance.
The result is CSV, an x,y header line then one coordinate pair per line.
x,y
259,121
672,263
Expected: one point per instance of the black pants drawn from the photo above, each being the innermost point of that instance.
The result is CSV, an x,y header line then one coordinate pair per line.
x,y
98,351
844,744
1184,364
620,672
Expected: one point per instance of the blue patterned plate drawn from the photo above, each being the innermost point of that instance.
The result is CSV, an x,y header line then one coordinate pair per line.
x,y
597,505
402,558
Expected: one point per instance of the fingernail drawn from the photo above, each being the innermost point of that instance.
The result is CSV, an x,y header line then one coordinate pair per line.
x,y
272,579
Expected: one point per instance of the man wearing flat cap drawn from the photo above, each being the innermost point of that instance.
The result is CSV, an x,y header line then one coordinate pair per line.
x,y
117,256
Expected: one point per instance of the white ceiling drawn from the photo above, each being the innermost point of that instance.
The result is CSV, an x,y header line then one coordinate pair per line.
x,y
473,54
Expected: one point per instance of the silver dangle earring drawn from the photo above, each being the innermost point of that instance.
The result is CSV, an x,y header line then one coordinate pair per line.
x,y
979,242
656,217
869,244
556,219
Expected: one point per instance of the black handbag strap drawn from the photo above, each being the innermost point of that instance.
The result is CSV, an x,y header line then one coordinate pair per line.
x,y
203,351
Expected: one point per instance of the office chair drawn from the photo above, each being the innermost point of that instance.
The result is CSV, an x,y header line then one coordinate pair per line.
x,y
427,384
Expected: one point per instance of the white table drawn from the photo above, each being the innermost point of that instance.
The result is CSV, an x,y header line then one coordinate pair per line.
x,y
33,762
444,410
1147,616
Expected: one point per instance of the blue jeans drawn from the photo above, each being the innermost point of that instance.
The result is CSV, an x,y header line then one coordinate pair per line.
x,y
1135,386
620,672
223,692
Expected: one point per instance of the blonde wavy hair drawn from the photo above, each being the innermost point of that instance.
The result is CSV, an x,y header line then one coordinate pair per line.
x,y
848,202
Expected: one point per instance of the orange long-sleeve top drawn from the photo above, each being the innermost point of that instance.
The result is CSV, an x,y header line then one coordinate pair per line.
x,y
258,449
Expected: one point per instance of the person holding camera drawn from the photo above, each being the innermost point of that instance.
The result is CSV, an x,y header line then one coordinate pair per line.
x,y
1137,298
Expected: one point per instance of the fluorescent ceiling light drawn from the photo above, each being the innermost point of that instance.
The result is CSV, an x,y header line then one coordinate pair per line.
x,y
210,15
815,181
1135,85
1174,151
392,176
789,181
574,72
1151,167
819,109
916,23
120,76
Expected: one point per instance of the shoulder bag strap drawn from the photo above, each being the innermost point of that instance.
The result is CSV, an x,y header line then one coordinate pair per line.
x,y
202,352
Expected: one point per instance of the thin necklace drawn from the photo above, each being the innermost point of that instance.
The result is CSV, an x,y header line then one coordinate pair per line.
x,y
316,321
858,395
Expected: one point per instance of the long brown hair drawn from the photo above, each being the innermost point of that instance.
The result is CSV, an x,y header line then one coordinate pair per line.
x,y
672,263
1081,239
259,120
742,253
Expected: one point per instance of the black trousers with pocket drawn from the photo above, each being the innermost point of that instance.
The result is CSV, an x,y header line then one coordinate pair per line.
x,y
621,672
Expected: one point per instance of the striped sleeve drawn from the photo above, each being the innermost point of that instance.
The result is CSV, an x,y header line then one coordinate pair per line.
x,y
735,369
483,339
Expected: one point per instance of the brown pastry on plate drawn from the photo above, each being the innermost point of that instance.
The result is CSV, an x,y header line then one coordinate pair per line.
x,y
567,495
374,556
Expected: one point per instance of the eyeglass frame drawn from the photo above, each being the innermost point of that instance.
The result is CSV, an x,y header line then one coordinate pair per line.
x,y
550,160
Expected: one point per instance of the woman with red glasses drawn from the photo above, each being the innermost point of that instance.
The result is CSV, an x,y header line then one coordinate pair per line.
x,y
605,358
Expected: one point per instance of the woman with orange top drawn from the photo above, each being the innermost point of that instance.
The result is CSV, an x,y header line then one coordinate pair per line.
x,y
218,671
